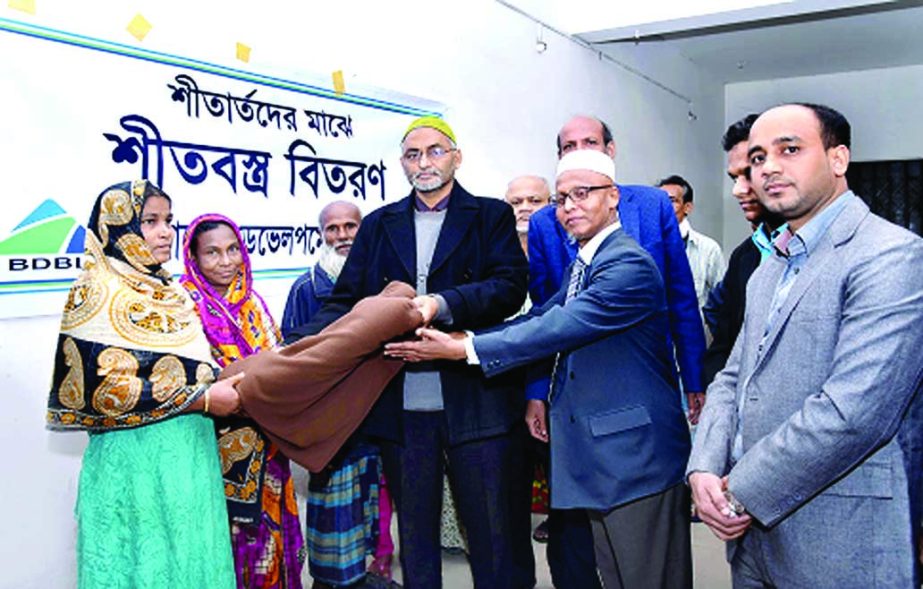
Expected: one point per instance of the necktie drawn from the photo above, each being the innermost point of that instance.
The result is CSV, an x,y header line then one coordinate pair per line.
x,y
573,287
576,279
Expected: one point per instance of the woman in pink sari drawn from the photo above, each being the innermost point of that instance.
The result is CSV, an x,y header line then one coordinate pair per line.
x,y
265,533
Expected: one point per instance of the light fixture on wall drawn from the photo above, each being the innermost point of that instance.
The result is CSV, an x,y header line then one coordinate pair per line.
x,y
540,45
691,115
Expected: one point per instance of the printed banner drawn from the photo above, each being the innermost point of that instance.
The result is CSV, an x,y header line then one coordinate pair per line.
x,y
81,114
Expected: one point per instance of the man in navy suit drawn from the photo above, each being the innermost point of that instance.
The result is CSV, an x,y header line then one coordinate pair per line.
x,y
647,216
463,255
618,434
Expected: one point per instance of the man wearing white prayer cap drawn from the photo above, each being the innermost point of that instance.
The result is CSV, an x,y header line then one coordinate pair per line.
x,y
618,435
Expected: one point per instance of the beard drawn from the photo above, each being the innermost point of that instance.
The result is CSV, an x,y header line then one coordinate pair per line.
x,y
429,185
331,261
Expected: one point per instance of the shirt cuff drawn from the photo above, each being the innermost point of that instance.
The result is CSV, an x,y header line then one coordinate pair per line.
x,y
470,352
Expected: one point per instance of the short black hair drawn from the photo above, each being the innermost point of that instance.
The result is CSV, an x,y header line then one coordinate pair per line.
x,y
678,181
200,229
834,128
607,133
737,132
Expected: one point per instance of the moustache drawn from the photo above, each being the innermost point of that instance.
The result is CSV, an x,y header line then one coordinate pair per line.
x,y
777,180
430,171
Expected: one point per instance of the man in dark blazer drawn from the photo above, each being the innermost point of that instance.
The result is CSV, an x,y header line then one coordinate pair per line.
x,y
724,311
463,255
617,430
647,216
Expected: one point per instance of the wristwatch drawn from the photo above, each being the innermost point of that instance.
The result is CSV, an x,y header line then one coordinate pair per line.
x,y
736,506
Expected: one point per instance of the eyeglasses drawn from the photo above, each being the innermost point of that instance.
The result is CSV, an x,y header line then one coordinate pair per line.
x,y
433,152
576,194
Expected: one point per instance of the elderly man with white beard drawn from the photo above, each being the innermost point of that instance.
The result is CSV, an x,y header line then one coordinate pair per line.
x,y
339,221
334,558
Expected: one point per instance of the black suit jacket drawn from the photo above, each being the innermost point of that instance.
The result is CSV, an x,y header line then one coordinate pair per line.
x,y
730,317
478,267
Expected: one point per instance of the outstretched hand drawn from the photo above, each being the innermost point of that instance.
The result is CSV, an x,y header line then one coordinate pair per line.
x,y
432,345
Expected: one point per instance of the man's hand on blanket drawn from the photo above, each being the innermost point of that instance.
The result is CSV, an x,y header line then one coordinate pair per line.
x,y
428,307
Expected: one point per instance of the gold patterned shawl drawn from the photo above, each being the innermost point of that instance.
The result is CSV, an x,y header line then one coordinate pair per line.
x,y
131,349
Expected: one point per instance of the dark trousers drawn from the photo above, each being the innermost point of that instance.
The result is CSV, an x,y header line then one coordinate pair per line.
x,y
645,544
570,550
521,475
479,473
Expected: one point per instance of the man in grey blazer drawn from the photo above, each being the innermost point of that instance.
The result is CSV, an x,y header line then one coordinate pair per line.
x,y
619,439
808,455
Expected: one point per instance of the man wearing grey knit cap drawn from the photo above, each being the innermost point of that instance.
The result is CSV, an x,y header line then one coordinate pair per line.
x,y
618,435
463,256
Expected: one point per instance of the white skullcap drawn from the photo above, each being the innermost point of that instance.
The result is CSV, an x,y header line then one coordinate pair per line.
x,y
587,159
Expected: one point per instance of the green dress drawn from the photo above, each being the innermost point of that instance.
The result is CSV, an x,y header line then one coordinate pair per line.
x,y
151,509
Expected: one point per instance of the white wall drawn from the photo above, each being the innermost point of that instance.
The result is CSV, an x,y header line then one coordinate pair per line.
x,y
505,102
656,138
881,105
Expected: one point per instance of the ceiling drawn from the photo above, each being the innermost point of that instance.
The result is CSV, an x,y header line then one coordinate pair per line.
x,y
784,39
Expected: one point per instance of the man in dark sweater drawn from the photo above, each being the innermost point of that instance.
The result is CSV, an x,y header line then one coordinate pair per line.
x,y
724,311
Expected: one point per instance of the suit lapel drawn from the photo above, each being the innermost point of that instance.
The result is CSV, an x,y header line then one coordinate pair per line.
x,y
760,289
841,230
591,267
400,230
462,211
809,272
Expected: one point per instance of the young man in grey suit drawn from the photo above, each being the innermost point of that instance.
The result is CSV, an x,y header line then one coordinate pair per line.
x,y
808,455
619,439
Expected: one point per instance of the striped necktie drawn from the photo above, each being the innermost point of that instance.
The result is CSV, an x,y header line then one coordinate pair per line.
x,y
576,279
573,287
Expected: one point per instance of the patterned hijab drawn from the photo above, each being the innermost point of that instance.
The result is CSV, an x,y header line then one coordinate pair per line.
x,y
130,350
237,324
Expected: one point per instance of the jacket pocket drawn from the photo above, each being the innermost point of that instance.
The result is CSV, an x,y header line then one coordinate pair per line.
x,y
603,424
871,479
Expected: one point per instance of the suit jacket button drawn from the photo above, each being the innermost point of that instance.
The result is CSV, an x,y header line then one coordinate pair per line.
x,y
572,420
572,375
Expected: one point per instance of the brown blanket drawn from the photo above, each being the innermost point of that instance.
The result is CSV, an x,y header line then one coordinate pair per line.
x,y
309,397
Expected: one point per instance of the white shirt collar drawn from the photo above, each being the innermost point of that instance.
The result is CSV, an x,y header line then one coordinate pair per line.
x,y
685,228
587,252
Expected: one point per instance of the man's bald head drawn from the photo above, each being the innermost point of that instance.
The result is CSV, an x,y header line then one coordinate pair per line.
x,y
527,194
585,132
339,221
